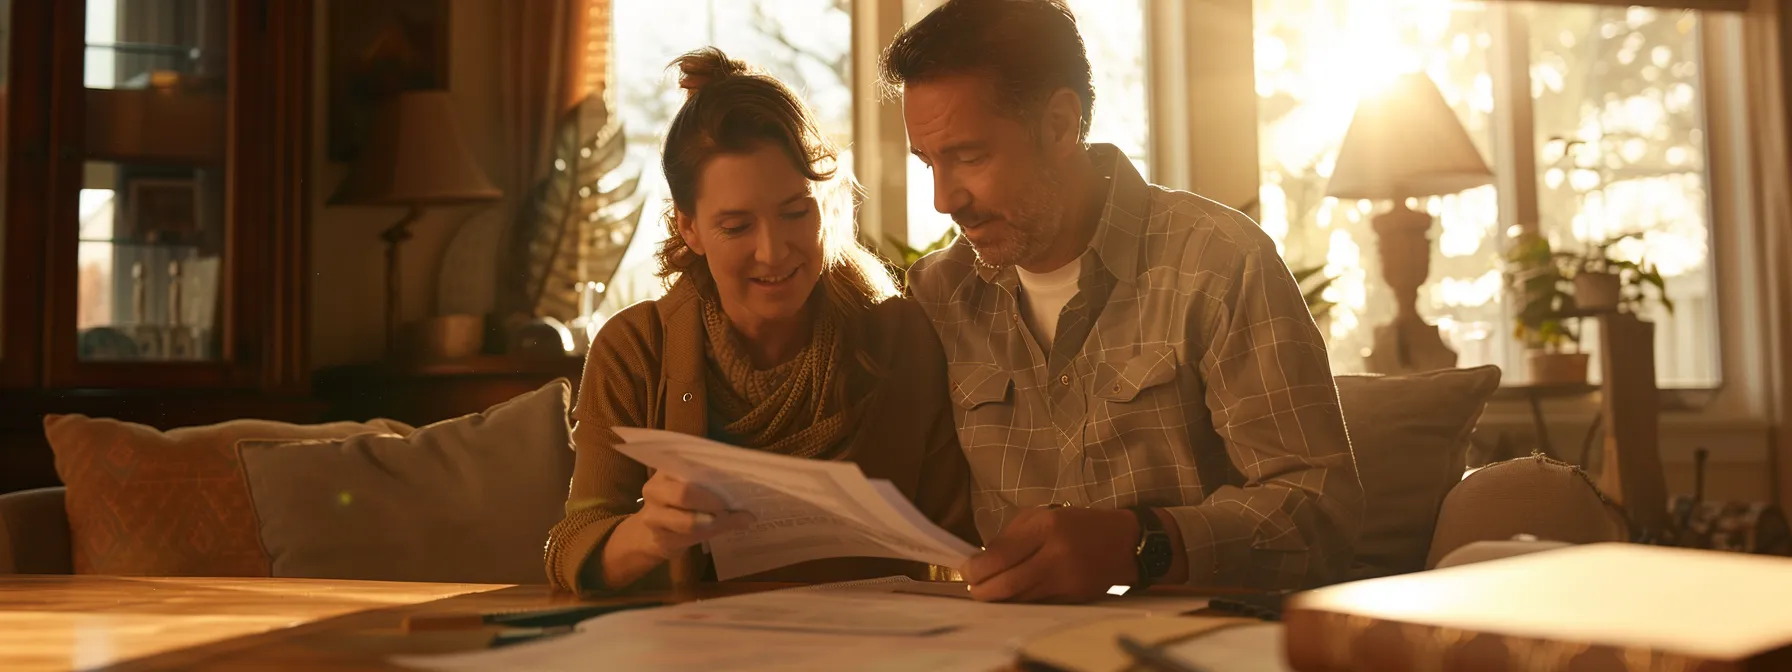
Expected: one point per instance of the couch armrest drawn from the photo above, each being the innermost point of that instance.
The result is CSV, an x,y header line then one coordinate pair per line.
x,y
34,535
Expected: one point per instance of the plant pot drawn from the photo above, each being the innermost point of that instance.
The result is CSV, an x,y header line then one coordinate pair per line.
x,y
1596,291
1556,368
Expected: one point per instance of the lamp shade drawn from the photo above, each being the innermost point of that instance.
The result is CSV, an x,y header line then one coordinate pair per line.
x,y
1406,142
415,155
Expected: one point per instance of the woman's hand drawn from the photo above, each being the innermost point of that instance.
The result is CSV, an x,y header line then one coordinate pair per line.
x,y
678,515
675,515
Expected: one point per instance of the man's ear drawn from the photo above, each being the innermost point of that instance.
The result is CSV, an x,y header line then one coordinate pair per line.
x,y
687,229
1063,122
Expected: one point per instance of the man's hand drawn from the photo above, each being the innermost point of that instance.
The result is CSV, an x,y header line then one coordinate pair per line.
x,y
1057,555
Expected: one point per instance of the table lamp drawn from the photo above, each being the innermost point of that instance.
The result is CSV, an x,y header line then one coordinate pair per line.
x,y
1405,142
415,157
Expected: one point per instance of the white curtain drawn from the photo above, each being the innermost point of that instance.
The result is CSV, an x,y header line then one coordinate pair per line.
x,y
1766,29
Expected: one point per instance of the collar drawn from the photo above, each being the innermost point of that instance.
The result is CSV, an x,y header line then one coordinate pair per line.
x,y
1120,231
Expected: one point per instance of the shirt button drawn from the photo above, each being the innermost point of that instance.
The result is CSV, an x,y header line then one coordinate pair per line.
x,y
1014,317
686,397
1064,379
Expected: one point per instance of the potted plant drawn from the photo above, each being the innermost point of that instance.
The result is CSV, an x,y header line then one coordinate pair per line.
x,y
1544,321
1313,282
907,256
1605,284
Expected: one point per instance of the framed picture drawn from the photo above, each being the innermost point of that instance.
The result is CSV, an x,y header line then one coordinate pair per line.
x,y
161,209
377,48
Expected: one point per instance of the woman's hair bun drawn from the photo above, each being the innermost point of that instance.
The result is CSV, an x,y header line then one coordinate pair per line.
x,y
705,66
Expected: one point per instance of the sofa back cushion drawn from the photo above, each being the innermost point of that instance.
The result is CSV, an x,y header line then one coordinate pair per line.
x,y
464,500
146,502
1410,437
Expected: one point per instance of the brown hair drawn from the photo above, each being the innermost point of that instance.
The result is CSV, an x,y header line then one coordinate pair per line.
x,y
1030,48
729,109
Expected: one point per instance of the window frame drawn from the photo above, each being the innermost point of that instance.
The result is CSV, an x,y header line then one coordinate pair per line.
x,y
1203,138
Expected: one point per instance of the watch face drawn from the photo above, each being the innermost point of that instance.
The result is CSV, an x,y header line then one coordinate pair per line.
x,y
1156,555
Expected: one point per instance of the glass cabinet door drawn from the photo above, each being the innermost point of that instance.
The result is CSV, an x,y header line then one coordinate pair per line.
x,y
150,253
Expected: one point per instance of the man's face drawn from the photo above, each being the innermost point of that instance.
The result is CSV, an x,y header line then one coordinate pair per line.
x,y
989,173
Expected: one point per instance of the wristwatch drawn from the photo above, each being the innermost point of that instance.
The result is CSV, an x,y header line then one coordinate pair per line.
x,y
1152,554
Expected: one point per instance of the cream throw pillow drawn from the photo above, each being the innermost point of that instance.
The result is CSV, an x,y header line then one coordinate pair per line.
x,y
1410,436
464,500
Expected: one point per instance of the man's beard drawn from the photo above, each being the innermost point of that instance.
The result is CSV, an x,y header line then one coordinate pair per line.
x,y
1033,225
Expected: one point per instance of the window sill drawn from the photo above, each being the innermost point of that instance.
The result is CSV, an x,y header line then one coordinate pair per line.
x,y
1673,400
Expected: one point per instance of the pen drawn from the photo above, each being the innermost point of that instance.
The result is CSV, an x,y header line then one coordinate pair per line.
x,y
538,618
1154,657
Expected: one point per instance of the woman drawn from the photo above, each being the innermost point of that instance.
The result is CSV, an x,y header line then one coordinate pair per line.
x,y
780,332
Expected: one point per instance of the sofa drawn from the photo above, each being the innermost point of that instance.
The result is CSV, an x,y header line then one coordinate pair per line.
x,y
464,479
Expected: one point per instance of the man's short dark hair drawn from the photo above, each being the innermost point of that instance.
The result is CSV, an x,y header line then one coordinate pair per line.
x,y
1031,48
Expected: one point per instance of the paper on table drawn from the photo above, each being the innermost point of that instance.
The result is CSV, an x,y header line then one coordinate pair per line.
x,y
652,639
806,509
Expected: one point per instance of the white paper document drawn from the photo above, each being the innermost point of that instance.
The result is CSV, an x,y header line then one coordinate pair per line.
x,y
806,509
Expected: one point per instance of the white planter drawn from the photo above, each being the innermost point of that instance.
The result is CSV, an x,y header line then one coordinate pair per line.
x,y
1596,291
1556,368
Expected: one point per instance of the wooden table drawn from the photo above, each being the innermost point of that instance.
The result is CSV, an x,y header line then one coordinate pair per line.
x,y
124,623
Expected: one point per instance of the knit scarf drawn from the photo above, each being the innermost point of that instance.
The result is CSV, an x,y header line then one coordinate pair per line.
x,y
788,409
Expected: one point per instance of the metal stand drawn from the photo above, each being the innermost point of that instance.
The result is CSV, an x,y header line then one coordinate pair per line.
x,y
394,235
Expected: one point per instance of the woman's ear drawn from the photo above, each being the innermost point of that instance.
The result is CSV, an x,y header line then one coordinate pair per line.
x,y
687,229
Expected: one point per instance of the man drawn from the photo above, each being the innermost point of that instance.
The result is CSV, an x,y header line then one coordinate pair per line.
x,y
1142,394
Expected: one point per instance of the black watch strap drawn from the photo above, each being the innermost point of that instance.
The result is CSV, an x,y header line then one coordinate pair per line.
x,y
1152,553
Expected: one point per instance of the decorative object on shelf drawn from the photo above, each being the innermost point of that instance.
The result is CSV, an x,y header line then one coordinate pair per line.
x,y
415,158
578,223
542,337
1405,142
162,210
178,342
1556,290
1743,527
379,48
449,337
1544,320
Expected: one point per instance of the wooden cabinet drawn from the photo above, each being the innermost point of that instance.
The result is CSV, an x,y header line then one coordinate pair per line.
x,y
155,155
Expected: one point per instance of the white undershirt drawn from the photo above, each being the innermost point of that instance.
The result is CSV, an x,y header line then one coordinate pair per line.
x,y
1043,297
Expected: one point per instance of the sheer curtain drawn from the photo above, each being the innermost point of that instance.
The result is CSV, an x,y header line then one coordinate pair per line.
x,y
1766,29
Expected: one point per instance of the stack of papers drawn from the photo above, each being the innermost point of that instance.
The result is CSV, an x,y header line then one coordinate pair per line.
x,y
806,509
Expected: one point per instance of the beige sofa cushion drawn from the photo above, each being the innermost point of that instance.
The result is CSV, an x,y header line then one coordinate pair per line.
x,y
1410,437
464,500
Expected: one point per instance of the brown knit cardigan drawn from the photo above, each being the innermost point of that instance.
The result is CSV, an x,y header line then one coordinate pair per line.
x,y
647,370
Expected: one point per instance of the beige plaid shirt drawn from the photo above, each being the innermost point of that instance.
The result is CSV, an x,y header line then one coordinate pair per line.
x,y
1186,374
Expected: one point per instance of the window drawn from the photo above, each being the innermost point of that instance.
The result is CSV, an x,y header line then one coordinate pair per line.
x,y
1113,36
1618,109
804,43
1615,110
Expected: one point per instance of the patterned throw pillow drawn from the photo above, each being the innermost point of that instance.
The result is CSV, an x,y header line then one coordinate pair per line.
x,y
144,502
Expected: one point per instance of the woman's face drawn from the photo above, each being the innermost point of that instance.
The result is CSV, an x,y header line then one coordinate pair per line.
x,y
758,224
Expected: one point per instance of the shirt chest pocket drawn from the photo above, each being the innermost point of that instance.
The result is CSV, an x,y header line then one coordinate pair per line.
x,y
1121,380
977,384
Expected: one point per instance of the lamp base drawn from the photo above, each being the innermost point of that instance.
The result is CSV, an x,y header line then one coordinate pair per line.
x,y
1408,346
